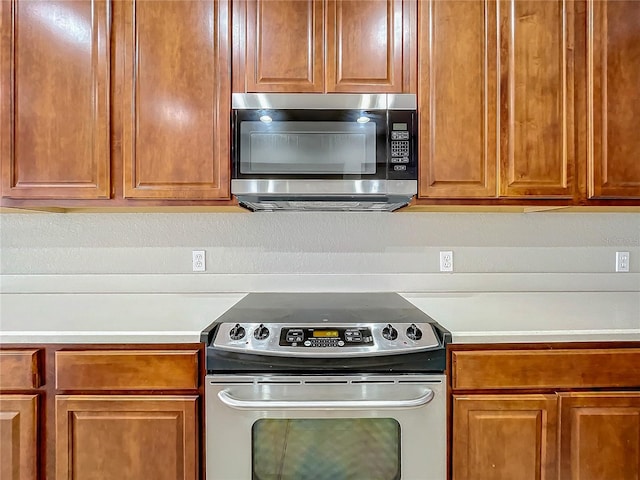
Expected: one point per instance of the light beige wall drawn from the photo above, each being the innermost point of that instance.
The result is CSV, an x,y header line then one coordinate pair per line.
x,y
316,242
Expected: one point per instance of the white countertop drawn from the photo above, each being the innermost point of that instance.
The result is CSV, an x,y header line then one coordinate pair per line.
x,y
109,318
534,316
179,317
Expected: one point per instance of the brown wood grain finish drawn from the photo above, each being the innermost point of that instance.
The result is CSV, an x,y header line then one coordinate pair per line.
x,y
504,437
285,46
19,369
613,99
54,131
324,46
102,370
106,437
600,435
562,368
364,46
457,98
18,437
176,99
537,157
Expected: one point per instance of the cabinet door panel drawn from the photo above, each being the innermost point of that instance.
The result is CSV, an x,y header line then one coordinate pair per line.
x,y
106,437
18,437
54,130
284,46
600,435
458,97
536,89
504,437
176,99
613,98
364,46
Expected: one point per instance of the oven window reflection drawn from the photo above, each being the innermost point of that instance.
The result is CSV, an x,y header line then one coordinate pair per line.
x,y
326,449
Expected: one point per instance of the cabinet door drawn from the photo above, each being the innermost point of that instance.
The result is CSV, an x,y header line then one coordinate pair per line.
x,y
504,437
365,46
18,437
106,437
613,98
600,435
284,46
175,86
537,156
457,98
54,94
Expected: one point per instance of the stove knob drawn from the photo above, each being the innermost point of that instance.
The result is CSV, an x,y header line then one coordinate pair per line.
x,y
413,332
389,332
261,332
237,332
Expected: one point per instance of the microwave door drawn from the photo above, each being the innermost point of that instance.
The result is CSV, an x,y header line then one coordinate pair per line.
x,y
314,145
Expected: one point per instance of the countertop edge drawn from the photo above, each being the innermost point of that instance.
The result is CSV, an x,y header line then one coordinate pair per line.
x,y
97,337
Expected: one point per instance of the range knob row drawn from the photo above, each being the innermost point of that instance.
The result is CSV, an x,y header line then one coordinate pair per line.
x,y
390,333
238,332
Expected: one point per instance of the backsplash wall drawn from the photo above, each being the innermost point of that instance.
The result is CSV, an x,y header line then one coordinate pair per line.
x,y
236,243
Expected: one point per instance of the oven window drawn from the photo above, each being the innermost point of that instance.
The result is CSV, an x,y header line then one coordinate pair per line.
x,y
307,148
326,449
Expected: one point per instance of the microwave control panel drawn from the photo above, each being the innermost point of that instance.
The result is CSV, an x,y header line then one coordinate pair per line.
x,y
403,157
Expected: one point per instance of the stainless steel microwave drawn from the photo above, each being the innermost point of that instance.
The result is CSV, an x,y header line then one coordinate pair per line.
x,y
355,152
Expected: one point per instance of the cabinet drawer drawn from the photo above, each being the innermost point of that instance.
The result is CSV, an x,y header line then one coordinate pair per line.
x,y
562,368
127,370
19,369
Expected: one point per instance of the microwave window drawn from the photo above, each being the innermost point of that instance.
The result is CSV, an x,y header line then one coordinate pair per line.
x,y
308,148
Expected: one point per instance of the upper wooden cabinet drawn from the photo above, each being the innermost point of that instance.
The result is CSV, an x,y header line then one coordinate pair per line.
x,y
163,135
457,98
54,94
174,82
613,99
496,99
324,46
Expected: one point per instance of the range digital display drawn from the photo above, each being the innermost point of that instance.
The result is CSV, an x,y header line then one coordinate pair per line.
x,y
325,333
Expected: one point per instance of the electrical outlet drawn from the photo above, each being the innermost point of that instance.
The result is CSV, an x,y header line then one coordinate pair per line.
x,y
198,261
446,261
622,261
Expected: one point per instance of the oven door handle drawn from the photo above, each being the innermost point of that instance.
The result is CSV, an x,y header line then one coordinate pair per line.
x,y
239,404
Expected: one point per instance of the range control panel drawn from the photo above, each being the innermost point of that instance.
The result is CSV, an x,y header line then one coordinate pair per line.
x,y
325,337
326,340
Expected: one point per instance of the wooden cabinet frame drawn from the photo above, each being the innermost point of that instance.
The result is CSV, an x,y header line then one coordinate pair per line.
x,y
155,385
70,159
568,397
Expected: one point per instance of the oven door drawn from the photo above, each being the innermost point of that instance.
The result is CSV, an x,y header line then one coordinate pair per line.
x,y
333,428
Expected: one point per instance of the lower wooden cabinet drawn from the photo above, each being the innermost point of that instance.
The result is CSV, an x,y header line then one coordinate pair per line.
x,y
18,437
600,435
545,411
101,412
100,437
504,437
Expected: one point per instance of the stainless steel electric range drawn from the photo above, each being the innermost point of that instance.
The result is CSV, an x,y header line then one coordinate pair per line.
x,y
336,386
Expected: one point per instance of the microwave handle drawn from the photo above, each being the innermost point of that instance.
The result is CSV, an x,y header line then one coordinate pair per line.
x,y
238,404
